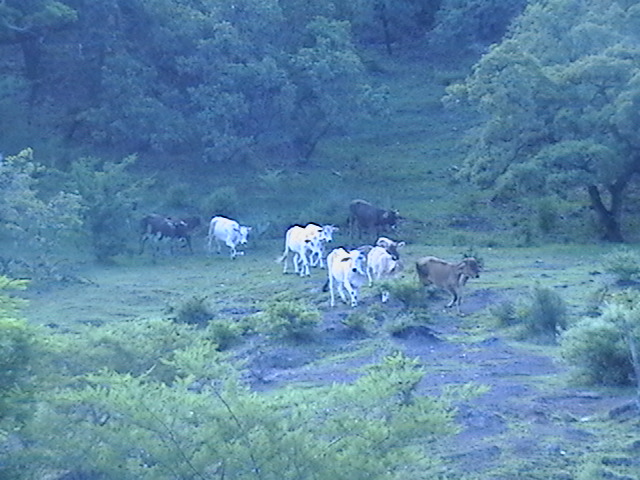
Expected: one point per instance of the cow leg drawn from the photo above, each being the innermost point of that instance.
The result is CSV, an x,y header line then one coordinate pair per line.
x,y
143,241
341,291
353,293
332,295
384,296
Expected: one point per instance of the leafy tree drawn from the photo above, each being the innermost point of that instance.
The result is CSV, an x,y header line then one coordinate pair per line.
x,y
29,220
561,96
388,22
110,194
28,22
460,26
330,84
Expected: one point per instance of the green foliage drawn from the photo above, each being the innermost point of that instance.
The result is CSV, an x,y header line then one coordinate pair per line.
x,y
554,108
224,332
38,223
193,311
137,347
410,293
596,348
623,263
222,201
290,319
505,313
110,194
461,26
375,428
547,215
16,351
359,322
545,316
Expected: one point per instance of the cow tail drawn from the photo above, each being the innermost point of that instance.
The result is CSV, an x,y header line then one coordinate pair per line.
x,y
325,287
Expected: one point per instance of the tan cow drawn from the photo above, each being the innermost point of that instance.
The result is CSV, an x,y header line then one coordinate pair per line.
x,y
448,276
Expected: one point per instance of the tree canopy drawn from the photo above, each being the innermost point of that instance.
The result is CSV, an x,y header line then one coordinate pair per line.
x,y
560,99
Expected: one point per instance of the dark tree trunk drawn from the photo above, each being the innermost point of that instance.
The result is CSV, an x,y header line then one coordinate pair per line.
x,y
381,8
609,217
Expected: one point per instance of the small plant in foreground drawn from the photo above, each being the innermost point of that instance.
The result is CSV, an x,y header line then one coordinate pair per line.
x,y
289,318
623,263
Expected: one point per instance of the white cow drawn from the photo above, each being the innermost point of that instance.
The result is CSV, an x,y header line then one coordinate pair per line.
x,y
322,235
390,246
381,265
347,272
223,229
301,243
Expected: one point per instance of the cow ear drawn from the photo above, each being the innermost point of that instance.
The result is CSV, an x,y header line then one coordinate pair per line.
x,y
400,244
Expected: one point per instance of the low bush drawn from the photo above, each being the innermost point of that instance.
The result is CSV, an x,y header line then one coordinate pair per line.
x,y
623,263
505,313
359,322
408,291
545,315
595,346
224,333
290,319
192,311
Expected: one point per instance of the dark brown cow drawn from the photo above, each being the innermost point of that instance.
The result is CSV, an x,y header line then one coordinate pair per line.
x,y
159,227
448,276
367,219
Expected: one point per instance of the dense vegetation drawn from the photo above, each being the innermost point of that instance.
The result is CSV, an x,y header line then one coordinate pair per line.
x,y
113,108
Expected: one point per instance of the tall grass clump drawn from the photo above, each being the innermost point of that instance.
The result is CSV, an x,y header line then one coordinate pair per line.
x,y
543,316
623,263
290,319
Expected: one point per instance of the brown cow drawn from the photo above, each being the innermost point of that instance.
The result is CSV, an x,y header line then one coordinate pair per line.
x,y
158,227
448,276
367,219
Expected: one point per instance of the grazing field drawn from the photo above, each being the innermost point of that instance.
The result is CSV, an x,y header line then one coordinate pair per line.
x,y
528,419
531,421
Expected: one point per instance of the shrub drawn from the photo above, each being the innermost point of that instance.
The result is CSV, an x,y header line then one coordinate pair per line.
x,y
409,292
289,318
192,311
222,201
110,193
137,347
546,314
596,347
623,263
224,333
359,322
505,313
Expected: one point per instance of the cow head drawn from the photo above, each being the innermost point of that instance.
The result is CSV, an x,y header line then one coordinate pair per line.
x,y
358,262
326,234
244,234
468,268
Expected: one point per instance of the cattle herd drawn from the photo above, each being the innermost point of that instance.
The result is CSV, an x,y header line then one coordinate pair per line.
x,y
305,247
